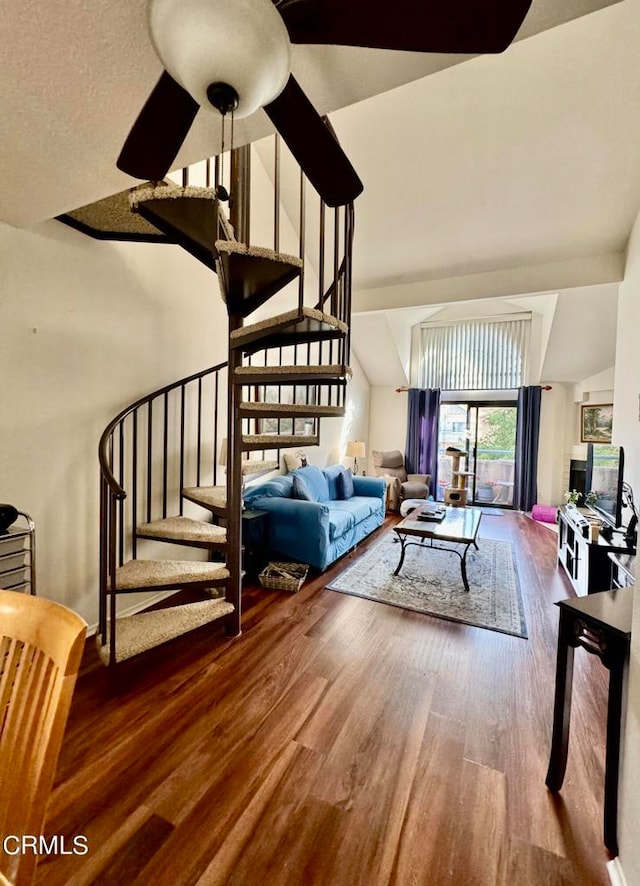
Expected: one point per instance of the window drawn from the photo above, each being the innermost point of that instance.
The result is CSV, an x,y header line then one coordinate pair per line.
x,y
472,355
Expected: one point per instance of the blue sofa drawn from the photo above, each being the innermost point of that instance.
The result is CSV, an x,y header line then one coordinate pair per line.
x,y
317,515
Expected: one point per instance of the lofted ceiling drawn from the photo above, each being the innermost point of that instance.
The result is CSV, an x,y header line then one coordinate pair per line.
x,y
472,166
74,74
504,161
577,340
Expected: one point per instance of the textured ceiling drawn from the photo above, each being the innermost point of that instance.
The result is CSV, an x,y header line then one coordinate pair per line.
x,y
74,74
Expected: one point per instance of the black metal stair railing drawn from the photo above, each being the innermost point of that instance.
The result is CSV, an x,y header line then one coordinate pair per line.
x,y
330,255
148,453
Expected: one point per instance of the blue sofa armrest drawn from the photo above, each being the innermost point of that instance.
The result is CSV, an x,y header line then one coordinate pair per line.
x,y
371,487
298,529
303,514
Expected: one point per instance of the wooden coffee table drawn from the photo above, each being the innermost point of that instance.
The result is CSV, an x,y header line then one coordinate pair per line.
x,y
459,527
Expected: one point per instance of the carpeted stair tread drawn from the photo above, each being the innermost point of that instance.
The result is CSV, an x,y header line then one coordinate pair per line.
x,y
183,529
112,219
292,327
212,497
168,573
301,410
235,247
169,191
286,375
250,275
253,466
277,441
287,317
141,632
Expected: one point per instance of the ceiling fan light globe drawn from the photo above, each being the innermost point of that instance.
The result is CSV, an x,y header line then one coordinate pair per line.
x,y
240,42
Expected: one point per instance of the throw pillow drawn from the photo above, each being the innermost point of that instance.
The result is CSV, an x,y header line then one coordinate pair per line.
x,y
316,481
345,484
331,474
294,460
278,487
301,489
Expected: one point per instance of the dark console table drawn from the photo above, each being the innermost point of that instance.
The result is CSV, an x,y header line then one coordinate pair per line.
x,y
601,624
255,525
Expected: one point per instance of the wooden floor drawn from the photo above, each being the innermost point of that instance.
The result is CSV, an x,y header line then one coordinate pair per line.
x,y
338,742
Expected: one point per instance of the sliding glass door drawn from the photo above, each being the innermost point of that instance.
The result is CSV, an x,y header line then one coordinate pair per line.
x,y
486,432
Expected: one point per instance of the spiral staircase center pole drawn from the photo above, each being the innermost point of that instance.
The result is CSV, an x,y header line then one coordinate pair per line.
x,y
241,221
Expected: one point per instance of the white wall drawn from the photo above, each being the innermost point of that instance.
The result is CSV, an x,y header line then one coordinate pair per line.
x,y
387,420
600,385
87,327
554,449
626,432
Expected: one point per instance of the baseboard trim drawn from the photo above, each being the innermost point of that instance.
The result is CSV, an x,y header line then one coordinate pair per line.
x,y
616,874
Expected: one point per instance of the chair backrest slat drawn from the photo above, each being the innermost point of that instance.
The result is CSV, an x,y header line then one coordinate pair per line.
x,y
41,646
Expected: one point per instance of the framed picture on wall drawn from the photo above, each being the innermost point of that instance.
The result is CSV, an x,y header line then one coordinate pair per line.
x,y
596,422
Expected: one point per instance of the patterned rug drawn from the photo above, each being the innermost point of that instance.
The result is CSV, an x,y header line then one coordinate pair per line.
x,y
431,582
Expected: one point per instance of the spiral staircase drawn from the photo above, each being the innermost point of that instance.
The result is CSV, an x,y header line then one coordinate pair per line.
x,y
162,487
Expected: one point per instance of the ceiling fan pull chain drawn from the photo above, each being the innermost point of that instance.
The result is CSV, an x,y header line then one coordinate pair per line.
x,y
230,196
221,192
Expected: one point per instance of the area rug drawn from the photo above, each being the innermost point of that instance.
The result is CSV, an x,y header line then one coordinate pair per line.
x,y
431,582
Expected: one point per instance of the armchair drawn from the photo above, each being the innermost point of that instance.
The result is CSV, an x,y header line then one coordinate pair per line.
x,y
400,485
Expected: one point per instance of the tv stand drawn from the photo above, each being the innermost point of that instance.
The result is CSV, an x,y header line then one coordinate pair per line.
x,y
585,562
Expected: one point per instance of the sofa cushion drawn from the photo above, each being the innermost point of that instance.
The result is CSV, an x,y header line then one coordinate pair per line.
x,y
301,489
344,515
345,485
316,482
341,520
278,487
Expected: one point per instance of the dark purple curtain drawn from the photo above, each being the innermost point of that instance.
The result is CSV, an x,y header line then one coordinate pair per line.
x,y
421,450
525,485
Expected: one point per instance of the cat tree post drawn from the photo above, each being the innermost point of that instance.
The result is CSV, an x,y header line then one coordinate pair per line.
x,y
456,494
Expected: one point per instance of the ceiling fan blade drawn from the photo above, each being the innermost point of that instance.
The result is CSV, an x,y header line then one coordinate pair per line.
x,y
460,26
314,146
160,128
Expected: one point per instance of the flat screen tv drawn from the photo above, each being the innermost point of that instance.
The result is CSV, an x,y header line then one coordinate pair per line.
x,y
605,474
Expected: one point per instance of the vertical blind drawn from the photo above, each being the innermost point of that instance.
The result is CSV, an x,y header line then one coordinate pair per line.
x,y
471,355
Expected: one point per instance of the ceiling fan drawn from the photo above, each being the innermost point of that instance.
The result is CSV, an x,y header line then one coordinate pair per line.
x,y
236,56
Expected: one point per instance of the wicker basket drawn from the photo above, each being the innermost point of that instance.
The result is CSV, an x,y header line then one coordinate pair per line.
x,y
283,576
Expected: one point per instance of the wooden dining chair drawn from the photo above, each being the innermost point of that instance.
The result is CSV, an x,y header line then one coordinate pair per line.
x,y
41,646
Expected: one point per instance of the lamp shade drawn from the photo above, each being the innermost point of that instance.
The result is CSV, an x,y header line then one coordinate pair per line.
x,y
355,449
